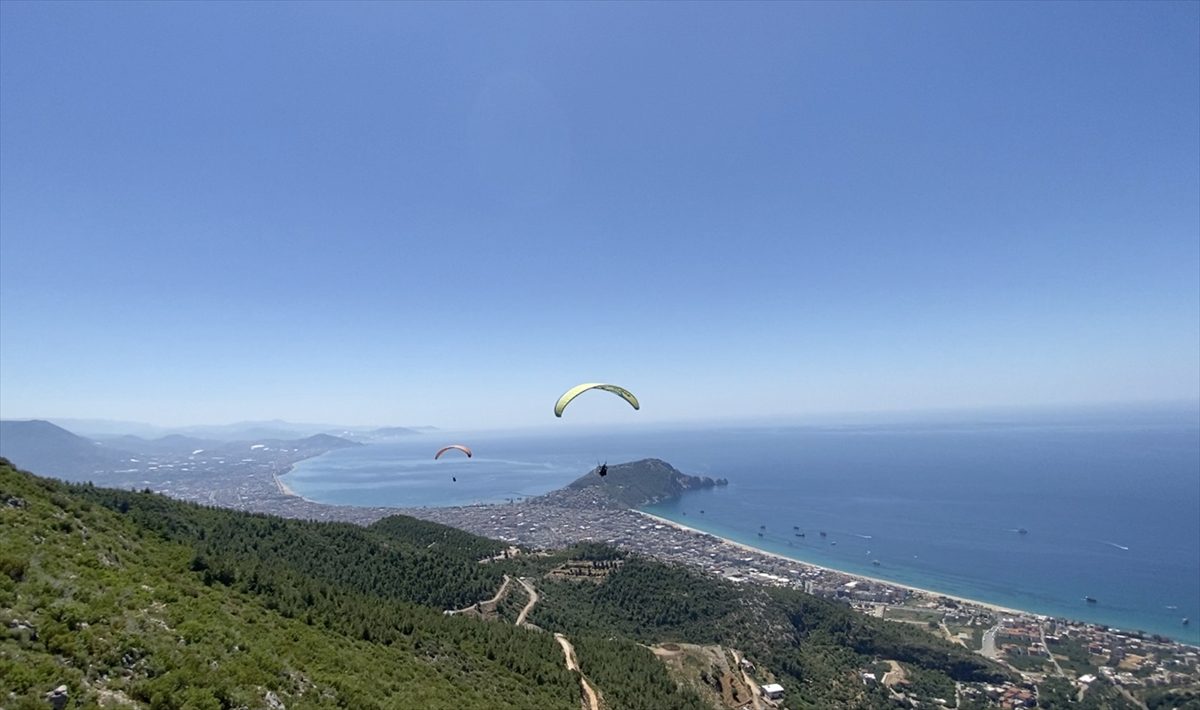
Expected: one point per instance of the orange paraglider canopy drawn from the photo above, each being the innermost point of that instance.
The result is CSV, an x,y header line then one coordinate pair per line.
x,y
444,449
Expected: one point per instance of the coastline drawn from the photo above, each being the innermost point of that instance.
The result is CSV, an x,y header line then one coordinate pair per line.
x,y
283,487
286,490
480,520
855,575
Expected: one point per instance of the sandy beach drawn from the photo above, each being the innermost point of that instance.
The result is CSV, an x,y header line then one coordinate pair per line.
x,y
855,575
283,487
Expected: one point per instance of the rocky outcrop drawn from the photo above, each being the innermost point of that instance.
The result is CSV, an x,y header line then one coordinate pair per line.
x,y
58,697
643,482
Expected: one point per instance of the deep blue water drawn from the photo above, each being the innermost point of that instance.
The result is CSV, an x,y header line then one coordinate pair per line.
x,y
937,504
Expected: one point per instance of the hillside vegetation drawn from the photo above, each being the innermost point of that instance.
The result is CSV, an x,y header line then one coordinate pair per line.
x,y
133,598
814,647
129,598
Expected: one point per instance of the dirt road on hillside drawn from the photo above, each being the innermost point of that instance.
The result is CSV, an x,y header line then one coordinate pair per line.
x,y
593,700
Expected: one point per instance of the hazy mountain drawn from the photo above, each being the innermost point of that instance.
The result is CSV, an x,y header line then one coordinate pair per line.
x,y
50,450
280,429
177,444
310,445
243,431
389,431
102,428
324,442
109,431
106,429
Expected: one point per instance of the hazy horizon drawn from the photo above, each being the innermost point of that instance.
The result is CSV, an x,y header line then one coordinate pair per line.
x,y
959,415
451,213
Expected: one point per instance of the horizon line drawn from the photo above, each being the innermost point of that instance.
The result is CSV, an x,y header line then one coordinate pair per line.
x,y
744,419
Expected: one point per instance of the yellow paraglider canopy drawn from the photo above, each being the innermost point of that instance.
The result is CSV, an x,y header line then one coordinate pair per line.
x,y
577,390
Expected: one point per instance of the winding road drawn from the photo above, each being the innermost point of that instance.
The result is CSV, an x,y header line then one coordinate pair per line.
x,y
590,694
593,699
533,599
499,594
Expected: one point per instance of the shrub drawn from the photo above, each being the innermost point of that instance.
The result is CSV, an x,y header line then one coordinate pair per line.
x,y
13,566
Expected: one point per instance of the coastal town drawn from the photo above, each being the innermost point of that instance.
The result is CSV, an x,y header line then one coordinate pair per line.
x,y
1031,644
1037,647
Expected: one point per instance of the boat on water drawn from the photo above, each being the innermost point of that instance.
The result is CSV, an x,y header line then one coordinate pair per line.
x,y
875,562
822,533
760,535
1023,531
1186,621
795,527
762,527
1090,600
799,534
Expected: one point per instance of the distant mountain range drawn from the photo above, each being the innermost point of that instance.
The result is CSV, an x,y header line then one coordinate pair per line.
x,y
107,430
179,445
170,444
41,446
51,450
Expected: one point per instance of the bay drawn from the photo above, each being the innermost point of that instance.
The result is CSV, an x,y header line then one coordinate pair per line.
x,y
1110,499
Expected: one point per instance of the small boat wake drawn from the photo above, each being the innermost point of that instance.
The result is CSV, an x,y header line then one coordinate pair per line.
x,y
865,537
1113,544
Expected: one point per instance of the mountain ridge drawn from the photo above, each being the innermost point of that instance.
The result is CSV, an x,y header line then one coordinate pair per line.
x,y
42,446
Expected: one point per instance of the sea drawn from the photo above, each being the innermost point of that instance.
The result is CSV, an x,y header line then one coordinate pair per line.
x,y
1109,499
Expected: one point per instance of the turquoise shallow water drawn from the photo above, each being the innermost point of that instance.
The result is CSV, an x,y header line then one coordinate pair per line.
x,y
1111,501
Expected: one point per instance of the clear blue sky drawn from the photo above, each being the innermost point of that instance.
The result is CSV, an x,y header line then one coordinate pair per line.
x,y
448,214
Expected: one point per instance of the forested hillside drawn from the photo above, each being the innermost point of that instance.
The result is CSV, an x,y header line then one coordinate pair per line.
x,y
815,648
134,598
293,559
